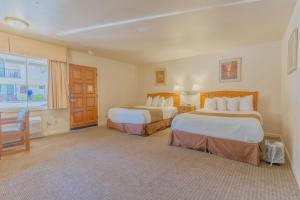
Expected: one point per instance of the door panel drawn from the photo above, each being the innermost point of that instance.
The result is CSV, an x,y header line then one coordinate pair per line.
x,y
91,101
77,88
90,75
84,98
77,103
91,115
78,116
76,73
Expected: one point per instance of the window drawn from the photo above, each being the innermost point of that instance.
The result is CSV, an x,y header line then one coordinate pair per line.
x,y
23,82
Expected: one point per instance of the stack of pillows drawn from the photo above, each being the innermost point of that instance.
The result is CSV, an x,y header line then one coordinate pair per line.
x,y
229,104
159,101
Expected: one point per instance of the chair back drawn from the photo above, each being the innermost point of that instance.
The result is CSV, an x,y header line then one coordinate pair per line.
x,y
21,116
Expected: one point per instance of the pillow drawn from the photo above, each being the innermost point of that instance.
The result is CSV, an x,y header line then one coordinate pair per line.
x,y
246,103
210,104
149,101
232,104
221,103
169,102
155,101
161,102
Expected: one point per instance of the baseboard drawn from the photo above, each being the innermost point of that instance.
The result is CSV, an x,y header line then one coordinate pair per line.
x,y
273,135
289,158
84,127
102,123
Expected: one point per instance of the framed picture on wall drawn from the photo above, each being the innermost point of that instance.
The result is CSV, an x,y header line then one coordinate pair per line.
x,y
160,77
230,70
292,52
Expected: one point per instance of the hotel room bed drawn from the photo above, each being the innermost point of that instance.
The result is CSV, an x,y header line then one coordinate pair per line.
x,y
139,114
231,134
143,120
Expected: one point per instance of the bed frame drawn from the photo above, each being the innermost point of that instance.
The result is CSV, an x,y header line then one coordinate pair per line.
x,y
234,150
147,129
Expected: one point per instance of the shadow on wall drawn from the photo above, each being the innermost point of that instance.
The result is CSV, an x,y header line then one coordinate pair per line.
x,y
272,123
55,121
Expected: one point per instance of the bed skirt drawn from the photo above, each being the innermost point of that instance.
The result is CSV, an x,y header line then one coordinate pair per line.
x,y
234,150
140,129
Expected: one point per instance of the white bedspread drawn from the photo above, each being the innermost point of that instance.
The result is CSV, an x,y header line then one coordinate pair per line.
x,y
131,116
232,128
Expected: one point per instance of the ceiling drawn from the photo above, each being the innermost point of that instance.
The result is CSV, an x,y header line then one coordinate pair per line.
x,y
143,31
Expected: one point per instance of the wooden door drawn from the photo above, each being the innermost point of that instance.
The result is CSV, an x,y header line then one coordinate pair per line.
x,y
83,96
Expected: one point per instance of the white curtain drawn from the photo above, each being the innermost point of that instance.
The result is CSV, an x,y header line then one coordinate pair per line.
x,y
57,85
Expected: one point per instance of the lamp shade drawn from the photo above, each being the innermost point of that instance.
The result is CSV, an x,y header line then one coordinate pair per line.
x,y
176,88
196,88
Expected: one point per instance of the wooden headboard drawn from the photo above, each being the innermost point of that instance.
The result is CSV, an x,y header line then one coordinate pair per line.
x,y
176,96
205,95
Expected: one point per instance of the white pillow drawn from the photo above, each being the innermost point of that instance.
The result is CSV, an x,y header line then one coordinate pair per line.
x,y
161,102
221,103
155,101
246,103
232,104
169,102
149,101
210,104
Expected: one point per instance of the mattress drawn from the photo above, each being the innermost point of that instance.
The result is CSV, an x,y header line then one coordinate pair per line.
x,y
132,116
232,128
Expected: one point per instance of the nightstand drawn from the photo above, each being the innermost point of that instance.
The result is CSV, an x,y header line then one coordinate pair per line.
x,y
185,108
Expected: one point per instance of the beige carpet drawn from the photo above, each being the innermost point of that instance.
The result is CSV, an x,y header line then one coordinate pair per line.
x,y
98,163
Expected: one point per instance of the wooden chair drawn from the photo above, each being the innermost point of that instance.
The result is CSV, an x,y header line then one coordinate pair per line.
x,y
18,129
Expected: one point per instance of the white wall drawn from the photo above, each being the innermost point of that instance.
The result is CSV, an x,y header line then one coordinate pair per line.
x,y
117,81
261,71
291,99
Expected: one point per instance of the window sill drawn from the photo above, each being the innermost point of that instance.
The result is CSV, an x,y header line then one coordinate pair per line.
x,y
31,109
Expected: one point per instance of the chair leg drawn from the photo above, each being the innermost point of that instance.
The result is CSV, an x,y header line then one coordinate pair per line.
x,y
26,136
23,139
27,143
1,146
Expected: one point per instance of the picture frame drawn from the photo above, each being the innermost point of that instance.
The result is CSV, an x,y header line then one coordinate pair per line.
x,y
292,51
230,70
160,77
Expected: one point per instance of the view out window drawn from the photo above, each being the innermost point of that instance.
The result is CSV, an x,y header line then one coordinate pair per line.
x,y
23,82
